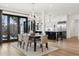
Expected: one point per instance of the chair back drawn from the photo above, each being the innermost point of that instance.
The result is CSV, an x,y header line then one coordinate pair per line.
x,y
19,37
44,39
25,37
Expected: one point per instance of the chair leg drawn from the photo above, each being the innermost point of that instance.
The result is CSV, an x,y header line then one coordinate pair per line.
x,y
17,43
30,44
47,46
41,47
20,44
27,47
23,45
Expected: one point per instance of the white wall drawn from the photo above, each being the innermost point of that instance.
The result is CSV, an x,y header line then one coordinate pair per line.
x,y
78,29
48,21
51,20
72,25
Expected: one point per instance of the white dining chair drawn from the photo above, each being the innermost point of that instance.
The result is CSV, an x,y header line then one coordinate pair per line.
x,y
19,40
26,41
44,41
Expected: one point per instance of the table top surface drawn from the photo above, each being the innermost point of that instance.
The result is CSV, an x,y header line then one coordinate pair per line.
x,y
35,35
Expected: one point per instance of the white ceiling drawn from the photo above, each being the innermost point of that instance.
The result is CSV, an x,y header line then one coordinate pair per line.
x,y
52,8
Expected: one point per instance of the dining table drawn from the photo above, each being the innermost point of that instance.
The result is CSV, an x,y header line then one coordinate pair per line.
x,y
35,38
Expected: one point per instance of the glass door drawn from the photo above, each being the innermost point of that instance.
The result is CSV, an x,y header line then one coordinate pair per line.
x,y
4,27
13,26
22,25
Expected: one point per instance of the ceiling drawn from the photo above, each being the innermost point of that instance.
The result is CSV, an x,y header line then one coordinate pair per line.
x,y
48,8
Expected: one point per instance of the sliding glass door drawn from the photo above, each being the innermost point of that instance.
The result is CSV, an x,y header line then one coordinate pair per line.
x,y
4,27
13,27
9,27
22,25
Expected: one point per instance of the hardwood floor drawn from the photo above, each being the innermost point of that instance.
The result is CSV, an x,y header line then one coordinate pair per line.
x,y
67,47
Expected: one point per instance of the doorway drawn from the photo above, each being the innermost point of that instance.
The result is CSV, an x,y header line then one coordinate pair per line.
x,y
11,26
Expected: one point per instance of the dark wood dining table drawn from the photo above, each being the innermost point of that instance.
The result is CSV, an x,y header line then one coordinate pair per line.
x,y
35,38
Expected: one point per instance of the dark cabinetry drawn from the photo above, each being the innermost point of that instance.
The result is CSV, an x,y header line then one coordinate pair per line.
x,y
56,35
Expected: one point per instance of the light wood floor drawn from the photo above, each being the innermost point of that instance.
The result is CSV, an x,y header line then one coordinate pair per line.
x,y
67,47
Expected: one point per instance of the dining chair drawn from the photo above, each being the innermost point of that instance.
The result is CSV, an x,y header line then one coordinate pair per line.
x,y
44,41
26,41
19,39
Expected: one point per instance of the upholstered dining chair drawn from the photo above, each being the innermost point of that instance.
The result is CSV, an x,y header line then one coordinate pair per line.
x,y
44,41
26,41
19,39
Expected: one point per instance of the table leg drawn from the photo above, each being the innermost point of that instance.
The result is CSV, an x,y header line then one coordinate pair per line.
x,y
56,36
34,44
